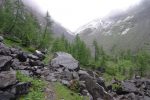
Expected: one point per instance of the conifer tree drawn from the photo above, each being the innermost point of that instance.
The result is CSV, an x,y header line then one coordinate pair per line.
x,y
96,50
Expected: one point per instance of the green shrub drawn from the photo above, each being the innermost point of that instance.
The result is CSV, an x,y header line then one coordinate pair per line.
x,y
36,90
116,87
111,68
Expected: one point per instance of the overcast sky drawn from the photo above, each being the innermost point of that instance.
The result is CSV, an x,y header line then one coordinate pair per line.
x,y
74,13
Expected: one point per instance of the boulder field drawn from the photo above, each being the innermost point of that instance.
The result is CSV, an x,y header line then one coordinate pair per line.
x,y
65,69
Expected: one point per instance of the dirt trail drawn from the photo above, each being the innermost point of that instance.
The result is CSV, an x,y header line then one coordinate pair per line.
x,y
49,91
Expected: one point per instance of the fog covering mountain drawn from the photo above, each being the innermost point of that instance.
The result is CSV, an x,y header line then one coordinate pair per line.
x,y
57,29
123,31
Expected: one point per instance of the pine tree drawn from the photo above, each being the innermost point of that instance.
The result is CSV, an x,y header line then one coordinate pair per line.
x,y
46,35
104,57
97,50
58,45
142,61
18,11
6,15
80,51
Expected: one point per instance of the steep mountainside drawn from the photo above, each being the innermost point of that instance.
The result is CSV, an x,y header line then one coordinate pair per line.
x,y
126,30
57,28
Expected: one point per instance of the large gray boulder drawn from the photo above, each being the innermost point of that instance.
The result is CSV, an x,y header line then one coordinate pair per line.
x,y
96,90
7,96
5,62
62,59
7,78
129,87
1,39
4,50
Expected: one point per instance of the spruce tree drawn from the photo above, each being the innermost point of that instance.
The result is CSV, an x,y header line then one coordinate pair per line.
x,y
96,50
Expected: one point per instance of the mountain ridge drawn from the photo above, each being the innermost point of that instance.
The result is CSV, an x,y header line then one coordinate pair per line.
x,y
127,30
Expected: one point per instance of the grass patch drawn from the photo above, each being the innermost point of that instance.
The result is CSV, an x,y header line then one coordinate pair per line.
x,y
63,92
36,91
11,43
108,78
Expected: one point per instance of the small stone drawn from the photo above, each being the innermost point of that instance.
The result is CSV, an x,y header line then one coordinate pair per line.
x,y
1,39
84,92
39,54
7,96
4,50
36,63
51,78
26,72
82,72
75,75
22,57
21,88
7,78
5,62
65,82
33,57
137,77
38,71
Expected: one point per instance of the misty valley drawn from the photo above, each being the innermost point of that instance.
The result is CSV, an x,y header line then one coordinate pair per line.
x,y
107,58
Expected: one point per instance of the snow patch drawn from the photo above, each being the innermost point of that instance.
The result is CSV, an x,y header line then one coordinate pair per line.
x,y
119,21
108,33
128,18
95,24
125,31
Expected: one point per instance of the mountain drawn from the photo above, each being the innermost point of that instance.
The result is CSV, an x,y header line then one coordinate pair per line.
x,y
57,29
122,31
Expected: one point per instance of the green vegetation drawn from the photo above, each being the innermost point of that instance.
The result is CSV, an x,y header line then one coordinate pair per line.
x,y
123,65
19,25
143,63
63,92
116,87
36,91
127,65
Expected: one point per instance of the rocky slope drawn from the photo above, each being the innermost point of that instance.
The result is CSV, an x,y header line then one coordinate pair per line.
x,y
65,69
123,31
13,60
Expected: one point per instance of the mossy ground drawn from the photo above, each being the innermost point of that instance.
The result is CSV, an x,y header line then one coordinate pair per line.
x,y
62,92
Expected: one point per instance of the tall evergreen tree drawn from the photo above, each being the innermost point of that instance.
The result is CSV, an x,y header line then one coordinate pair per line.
x,y
81,52
96,50
143,61
46,36
19,14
